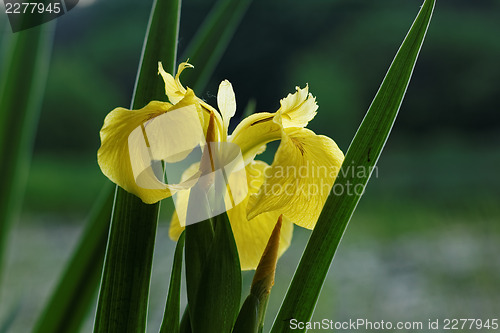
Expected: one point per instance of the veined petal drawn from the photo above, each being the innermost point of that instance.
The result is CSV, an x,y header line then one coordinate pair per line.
x,y
173,87
226,102
300,178
298,109
251,236
254,132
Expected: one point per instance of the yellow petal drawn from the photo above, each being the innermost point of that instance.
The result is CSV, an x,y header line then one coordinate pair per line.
x,y
255,131
175,92
133,143
226,102
298,109
174,134
173,87
175,227
114,156
251,236
181,203
300,179
252,134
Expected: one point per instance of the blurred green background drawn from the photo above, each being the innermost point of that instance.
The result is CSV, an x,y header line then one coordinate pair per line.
x,y
425,238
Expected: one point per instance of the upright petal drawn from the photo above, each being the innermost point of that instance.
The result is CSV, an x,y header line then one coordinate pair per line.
x,y
173,87
300,179
226,102
255,131
298,109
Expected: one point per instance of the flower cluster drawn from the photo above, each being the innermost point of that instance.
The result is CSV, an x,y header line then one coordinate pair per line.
x,y
254,218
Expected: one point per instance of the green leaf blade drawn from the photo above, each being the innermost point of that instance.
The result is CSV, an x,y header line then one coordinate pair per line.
x,y
123,298
248,318
363,152
199,239
160,45
218,295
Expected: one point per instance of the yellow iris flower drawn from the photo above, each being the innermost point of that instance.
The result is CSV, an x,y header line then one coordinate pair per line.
x,y
295,185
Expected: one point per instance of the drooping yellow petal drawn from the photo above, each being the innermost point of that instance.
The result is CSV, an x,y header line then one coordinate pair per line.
x,y
252,134
251,236
227,103
298,109
114,156
300,179
173,87
133,143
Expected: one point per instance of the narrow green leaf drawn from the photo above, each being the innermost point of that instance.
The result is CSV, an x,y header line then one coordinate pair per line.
x,y
205,51
123,297
170,322
364,152
24,68
199,239
73,295
211,40
160,45
248,318
218,298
